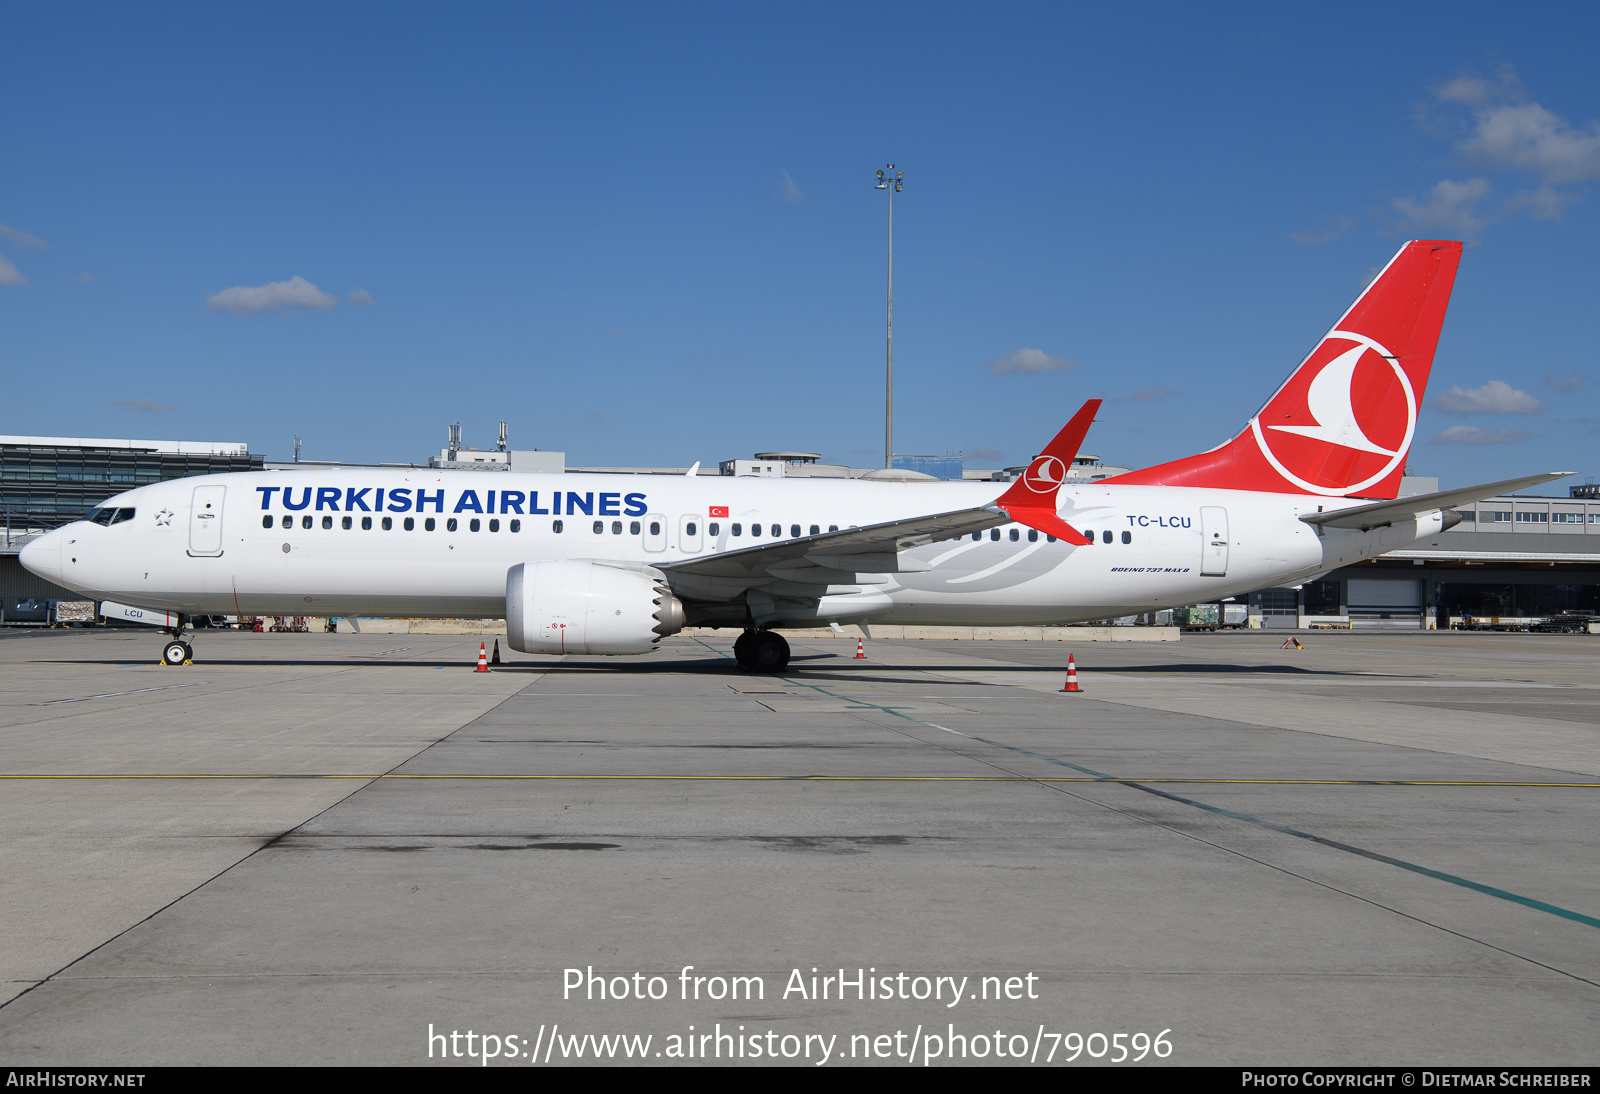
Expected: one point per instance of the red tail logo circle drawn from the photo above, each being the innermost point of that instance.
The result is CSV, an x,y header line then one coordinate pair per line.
x,y
1344,421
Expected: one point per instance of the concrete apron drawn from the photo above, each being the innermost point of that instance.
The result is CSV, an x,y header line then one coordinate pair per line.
x,y
1539,742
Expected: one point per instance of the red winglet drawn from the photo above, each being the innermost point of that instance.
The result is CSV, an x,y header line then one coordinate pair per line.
x,y
1032,498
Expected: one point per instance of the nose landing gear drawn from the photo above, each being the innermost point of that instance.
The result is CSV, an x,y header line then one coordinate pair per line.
x,y
761,651
177,652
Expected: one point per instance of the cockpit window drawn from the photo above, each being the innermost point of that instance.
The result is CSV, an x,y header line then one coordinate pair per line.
x,y
122,515
99,516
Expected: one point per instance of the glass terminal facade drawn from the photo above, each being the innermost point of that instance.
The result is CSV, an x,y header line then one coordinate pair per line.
x,y
51,480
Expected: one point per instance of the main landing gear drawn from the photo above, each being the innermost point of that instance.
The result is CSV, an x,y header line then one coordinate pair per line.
x,y
761,651
177,652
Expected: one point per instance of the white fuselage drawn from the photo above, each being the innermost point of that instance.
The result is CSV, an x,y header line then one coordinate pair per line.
x,y
252,552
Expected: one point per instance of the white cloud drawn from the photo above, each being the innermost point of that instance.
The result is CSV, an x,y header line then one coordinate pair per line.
x,y
791,192
1495,397
1543,203
1336,230
1572,381
296,292
1030,361
361,297
1465,89
1471,434
1502,130
9,274
149,406
1527,137
1450,206
18,238
1497,131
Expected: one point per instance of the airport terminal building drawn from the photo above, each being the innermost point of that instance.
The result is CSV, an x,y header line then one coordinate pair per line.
x,y
46,482
1511,562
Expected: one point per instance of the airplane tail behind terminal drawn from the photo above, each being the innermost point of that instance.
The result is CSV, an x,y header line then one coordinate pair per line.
x,y
1341,425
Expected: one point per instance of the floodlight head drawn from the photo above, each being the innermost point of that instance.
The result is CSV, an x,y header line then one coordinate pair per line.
x,y
880,176
899,175
898,187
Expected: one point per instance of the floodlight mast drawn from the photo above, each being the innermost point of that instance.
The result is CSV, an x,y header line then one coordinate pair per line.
x,y
894,186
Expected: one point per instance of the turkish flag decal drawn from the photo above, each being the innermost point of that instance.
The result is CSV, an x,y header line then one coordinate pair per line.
x,y
719,510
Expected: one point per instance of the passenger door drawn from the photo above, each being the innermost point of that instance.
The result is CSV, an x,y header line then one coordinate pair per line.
x,y
1213,541
655,532
689,534
205,521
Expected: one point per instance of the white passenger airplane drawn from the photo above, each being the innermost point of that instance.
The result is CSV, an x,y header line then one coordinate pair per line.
x,y
604,564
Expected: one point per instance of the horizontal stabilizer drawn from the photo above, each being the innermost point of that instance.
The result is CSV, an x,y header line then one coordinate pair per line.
x,y
1387,512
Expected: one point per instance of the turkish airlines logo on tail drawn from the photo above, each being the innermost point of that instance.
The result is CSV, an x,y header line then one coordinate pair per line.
x,y
1345,419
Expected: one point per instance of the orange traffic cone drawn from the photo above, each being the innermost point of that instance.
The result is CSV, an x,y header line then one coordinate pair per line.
x,y
861,650
1072,675
483,659
495,660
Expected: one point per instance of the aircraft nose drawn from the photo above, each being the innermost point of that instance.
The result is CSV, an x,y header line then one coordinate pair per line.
x,y
43,556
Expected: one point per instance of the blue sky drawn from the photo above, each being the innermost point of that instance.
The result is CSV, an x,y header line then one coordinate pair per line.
x,y
648,233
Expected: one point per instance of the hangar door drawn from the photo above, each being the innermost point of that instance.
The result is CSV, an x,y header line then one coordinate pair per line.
x,y
1385,603
205,521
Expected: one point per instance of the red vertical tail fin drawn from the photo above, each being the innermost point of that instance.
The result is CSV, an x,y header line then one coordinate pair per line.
x,y
1342,424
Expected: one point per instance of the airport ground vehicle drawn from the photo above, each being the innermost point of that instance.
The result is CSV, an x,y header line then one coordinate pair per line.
x,y
1217,617
607,564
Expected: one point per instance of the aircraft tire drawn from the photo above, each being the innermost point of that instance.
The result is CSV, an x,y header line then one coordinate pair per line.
x,y
768,652
175,653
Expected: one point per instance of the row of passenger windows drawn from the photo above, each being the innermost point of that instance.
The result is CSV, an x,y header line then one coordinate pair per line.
x,y
1016,535
451,524
429,524
1033,536
776,530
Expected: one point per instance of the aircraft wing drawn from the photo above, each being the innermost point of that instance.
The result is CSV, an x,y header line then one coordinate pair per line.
x,y
1377,515
873,548
807,565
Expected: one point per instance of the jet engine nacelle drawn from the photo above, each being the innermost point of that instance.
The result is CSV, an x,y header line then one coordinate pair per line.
x,y
587,607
